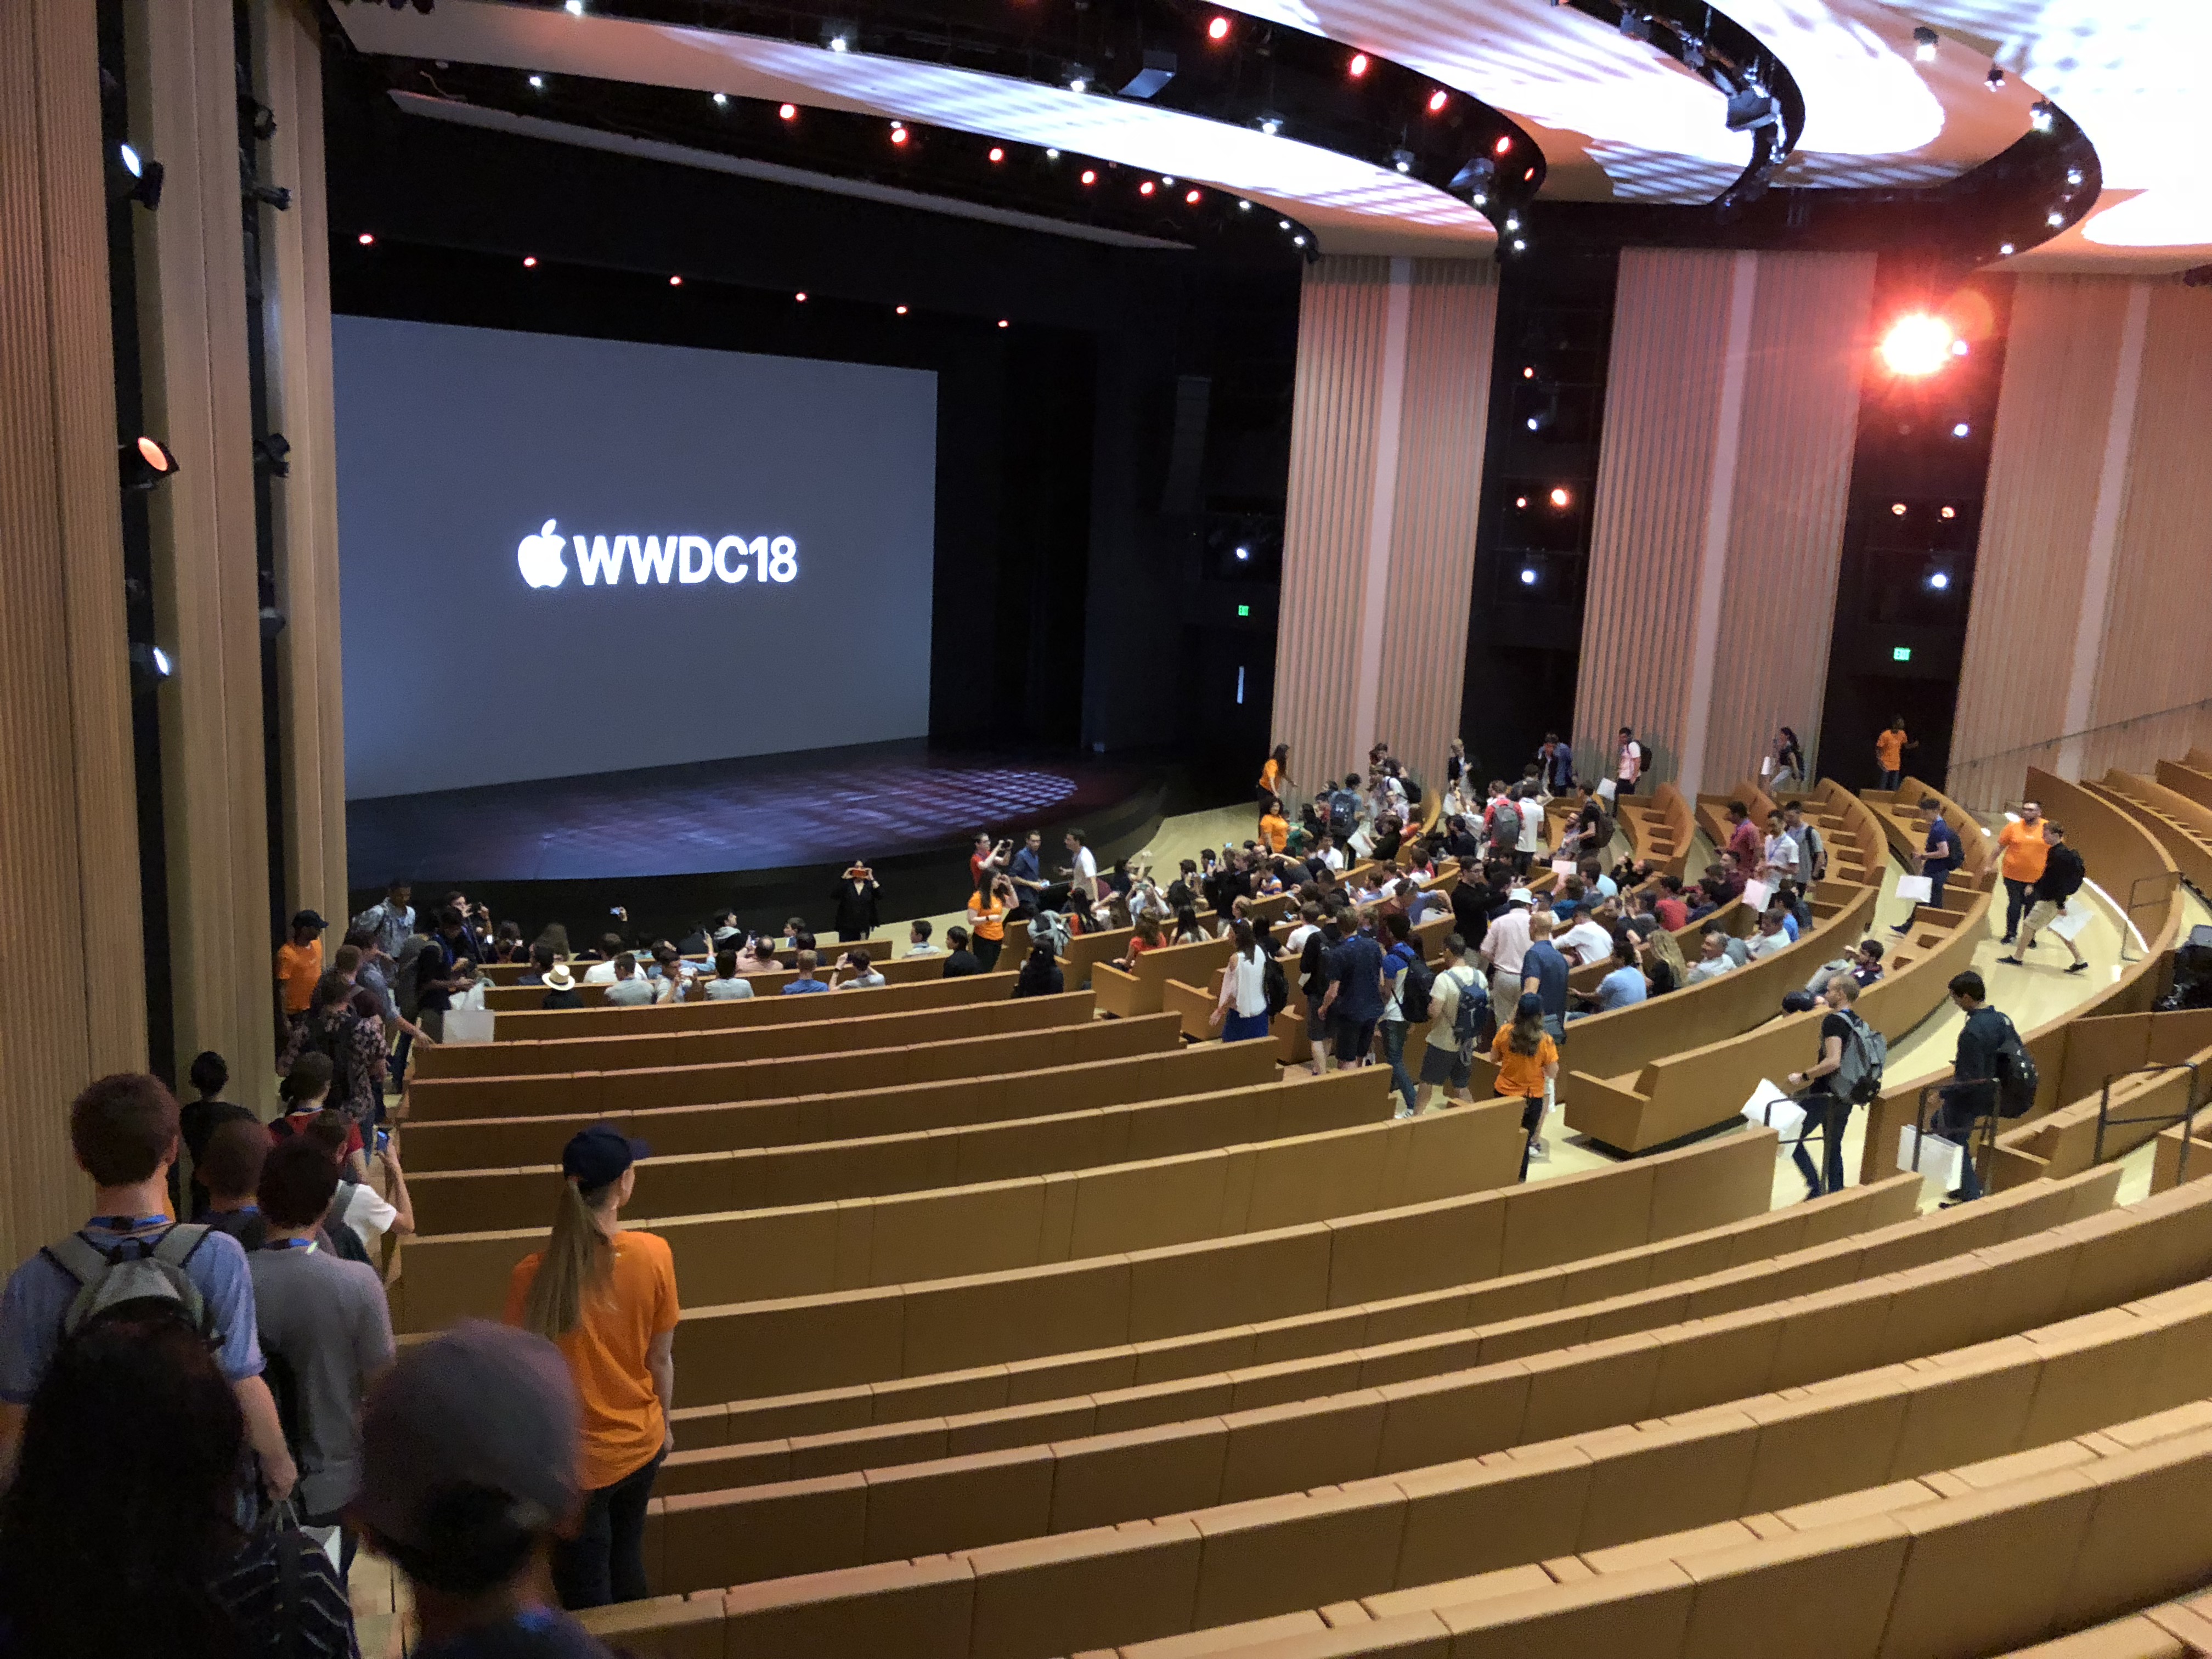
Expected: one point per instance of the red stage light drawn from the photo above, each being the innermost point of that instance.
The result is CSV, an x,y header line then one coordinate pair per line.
x,y
1437,100
365,240
800,296
1089,177
1358,64
1217,29
1560,498
997,155
1504,143
901,311
898,134
1191,197
1918,345
676,281
1003,323
1145,189
789,112
529,262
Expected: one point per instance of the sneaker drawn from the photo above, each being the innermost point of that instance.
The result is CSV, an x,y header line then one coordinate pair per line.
x,y
1539,1153
2079,967
1902,929
2009,939
2015,961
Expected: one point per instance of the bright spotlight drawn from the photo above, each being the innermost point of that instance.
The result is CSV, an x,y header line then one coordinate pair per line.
x,y
1947,513
1006,322
1090,176
1528,575
899,311
1898,508
1299,240
1560,498
538,83
676,281
365,240
1528,373
1918,345
1217,29
1962,430
1533,423
1505,144
1923,44
1358,66
144,463
1270,124
997,154
722,101
1402,159
1244,553
1191,197
788,113
1437,100
1939,579
2054,219
898,135
1521,502
573,7
1146,188
529,262
2004,249
145,176
800,296
2042,115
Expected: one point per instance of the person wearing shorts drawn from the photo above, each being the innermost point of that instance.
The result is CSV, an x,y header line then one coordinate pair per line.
x,y
1445,1064
1354,998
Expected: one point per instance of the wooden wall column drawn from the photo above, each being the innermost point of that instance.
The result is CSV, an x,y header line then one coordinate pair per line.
x,y
72,989
1392,408
192,322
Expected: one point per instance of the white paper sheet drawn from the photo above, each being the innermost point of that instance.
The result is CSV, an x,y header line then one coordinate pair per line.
x,y
1918,889
1770,1104
2071,920
1937,1159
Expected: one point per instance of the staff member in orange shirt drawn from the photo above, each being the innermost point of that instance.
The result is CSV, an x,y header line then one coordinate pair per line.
x,y
987,920
2025,852
606,1299
1274,828
1528,1061
1889,753
299,965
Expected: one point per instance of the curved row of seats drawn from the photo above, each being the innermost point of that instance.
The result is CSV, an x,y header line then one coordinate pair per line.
x,y
2023,1342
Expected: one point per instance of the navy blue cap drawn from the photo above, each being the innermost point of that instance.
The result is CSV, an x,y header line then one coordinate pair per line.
x,y
596,1157
1530,1003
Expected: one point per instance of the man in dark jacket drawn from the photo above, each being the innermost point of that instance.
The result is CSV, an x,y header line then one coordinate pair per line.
x,y
2063,875
1972,1094
857,908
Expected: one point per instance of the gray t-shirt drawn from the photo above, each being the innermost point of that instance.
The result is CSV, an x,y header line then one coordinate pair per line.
x,y
631,993
725,990
326,1318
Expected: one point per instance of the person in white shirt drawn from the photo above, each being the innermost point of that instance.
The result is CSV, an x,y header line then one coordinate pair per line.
x,y
1505,945
1331,854
918,942
1770,939
1588,941
728,984
1308,924
1083,868
1631,756
603,972
1531,840
673,981
1782,853
1446,1064
1713,959
1242,1010
864,974
630,988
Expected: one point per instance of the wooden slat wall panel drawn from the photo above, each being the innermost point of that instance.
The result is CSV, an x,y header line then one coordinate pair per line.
x,y
2046,456
193,329
1452,333
1809,350
1654,484
73,1001
2157,655
1335,413
297,309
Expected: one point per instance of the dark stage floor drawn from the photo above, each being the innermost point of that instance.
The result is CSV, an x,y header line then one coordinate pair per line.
x,y
876,801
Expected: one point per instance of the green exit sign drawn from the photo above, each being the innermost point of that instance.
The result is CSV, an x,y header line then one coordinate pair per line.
x,y
1900,654
1243,610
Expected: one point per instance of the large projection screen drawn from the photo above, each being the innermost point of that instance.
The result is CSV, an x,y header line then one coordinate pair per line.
x,y
561,557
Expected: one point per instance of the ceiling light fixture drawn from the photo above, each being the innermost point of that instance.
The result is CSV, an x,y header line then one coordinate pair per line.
x,y
788,113
1437,100
1358,66
1218,30
1918,345
1924,42
2042,115
1994,80
722,101
144,463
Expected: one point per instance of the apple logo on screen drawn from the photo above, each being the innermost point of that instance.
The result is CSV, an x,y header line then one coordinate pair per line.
x,y
539,556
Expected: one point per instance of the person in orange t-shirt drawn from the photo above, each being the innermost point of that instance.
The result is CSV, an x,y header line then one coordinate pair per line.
x,y
1274,828
299,965
606,1299
1889,754
2025,852
988,910
1528,1061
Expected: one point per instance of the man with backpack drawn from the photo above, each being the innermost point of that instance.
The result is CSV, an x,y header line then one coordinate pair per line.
x,y
1406,983
1991,1075
1848,1073
123,1131
1344,808
1459,1009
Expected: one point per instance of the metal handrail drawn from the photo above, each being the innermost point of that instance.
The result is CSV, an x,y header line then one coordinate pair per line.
x,y
2186,1117
1984,1125
2134,905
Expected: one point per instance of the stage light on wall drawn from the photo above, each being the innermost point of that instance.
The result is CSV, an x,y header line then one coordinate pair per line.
x,y
1006,322
2042,115
838,34
722,101
1962,430
1218,30
1505,144
145,462
788,113
1994,80
1244,207
1358,66
1299,240
1145,189
1924,42
1946,513
366,238
1520,502
2004,249
1402,159
1560,498
1897,508
1520,247
573,7
1512,221
898,133
1078,77
1090,176
1191,197
676,281
1052,155
898,310
2074,176
1270,124
1530,575
529,262
150,665
1959,348
997,154
1437,100
538,83
144,177
800,298
1535,423
2055,219
1918,345
1939,579
1243,555
1282,224
1528,373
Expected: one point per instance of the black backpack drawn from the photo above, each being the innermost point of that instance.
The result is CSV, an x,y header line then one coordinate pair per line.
x,y
1277,987
1343,813
1415,985
330,1033
1311,959
1466,1017
2017,1078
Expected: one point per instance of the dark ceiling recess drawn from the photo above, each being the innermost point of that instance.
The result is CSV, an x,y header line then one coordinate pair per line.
x,y
1165,53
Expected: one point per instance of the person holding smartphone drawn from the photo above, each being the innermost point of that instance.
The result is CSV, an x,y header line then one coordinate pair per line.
x,y
858,908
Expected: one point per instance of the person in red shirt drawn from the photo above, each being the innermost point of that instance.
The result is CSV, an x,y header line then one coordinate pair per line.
x,y
1673,913
1743,838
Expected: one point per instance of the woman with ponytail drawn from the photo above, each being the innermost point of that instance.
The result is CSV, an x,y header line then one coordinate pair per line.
x,y
606,1299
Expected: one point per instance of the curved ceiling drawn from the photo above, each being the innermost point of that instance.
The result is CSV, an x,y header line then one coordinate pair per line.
x,y
1616,118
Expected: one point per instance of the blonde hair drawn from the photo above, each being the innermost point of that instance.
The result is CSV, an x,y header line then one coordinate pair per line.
x,y
575,1264
1662,946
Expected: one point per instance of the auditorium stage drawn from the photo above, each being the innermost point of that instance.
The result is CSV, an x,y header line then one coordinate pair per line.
x,y
761,835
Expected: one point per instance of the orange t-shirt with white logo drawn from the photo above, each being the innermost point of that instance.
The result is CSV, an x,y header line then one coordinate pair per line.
x,y
624,1423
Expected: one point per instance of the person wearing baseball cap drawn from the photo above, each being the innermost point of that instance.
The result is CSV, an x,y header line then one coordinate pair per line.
x,y
469,1450
607,1299
1527,1065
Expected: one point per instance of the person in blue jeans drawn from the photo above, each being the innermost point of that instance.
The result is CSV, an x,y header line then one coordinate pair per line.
x,y
1939,856
1972,1094
1354,998
1402,955
1544,973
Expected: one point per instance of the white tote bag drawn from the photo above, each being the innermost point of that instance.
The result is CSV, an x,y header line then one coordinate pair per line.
x,y
1916,889
1770,1104
1935,1158
468,1026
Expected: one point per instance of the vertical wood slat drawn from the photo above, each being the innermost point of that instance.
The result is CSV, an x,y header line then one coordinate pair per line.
x,y
193,331
2156,654
2047,448
296,313
1450,350
74,1004
1335,411
1808,350
1654,484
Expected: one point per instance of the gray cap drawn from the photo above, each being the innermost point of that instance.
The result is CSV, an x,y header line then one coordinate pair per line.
x,y
482,1405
